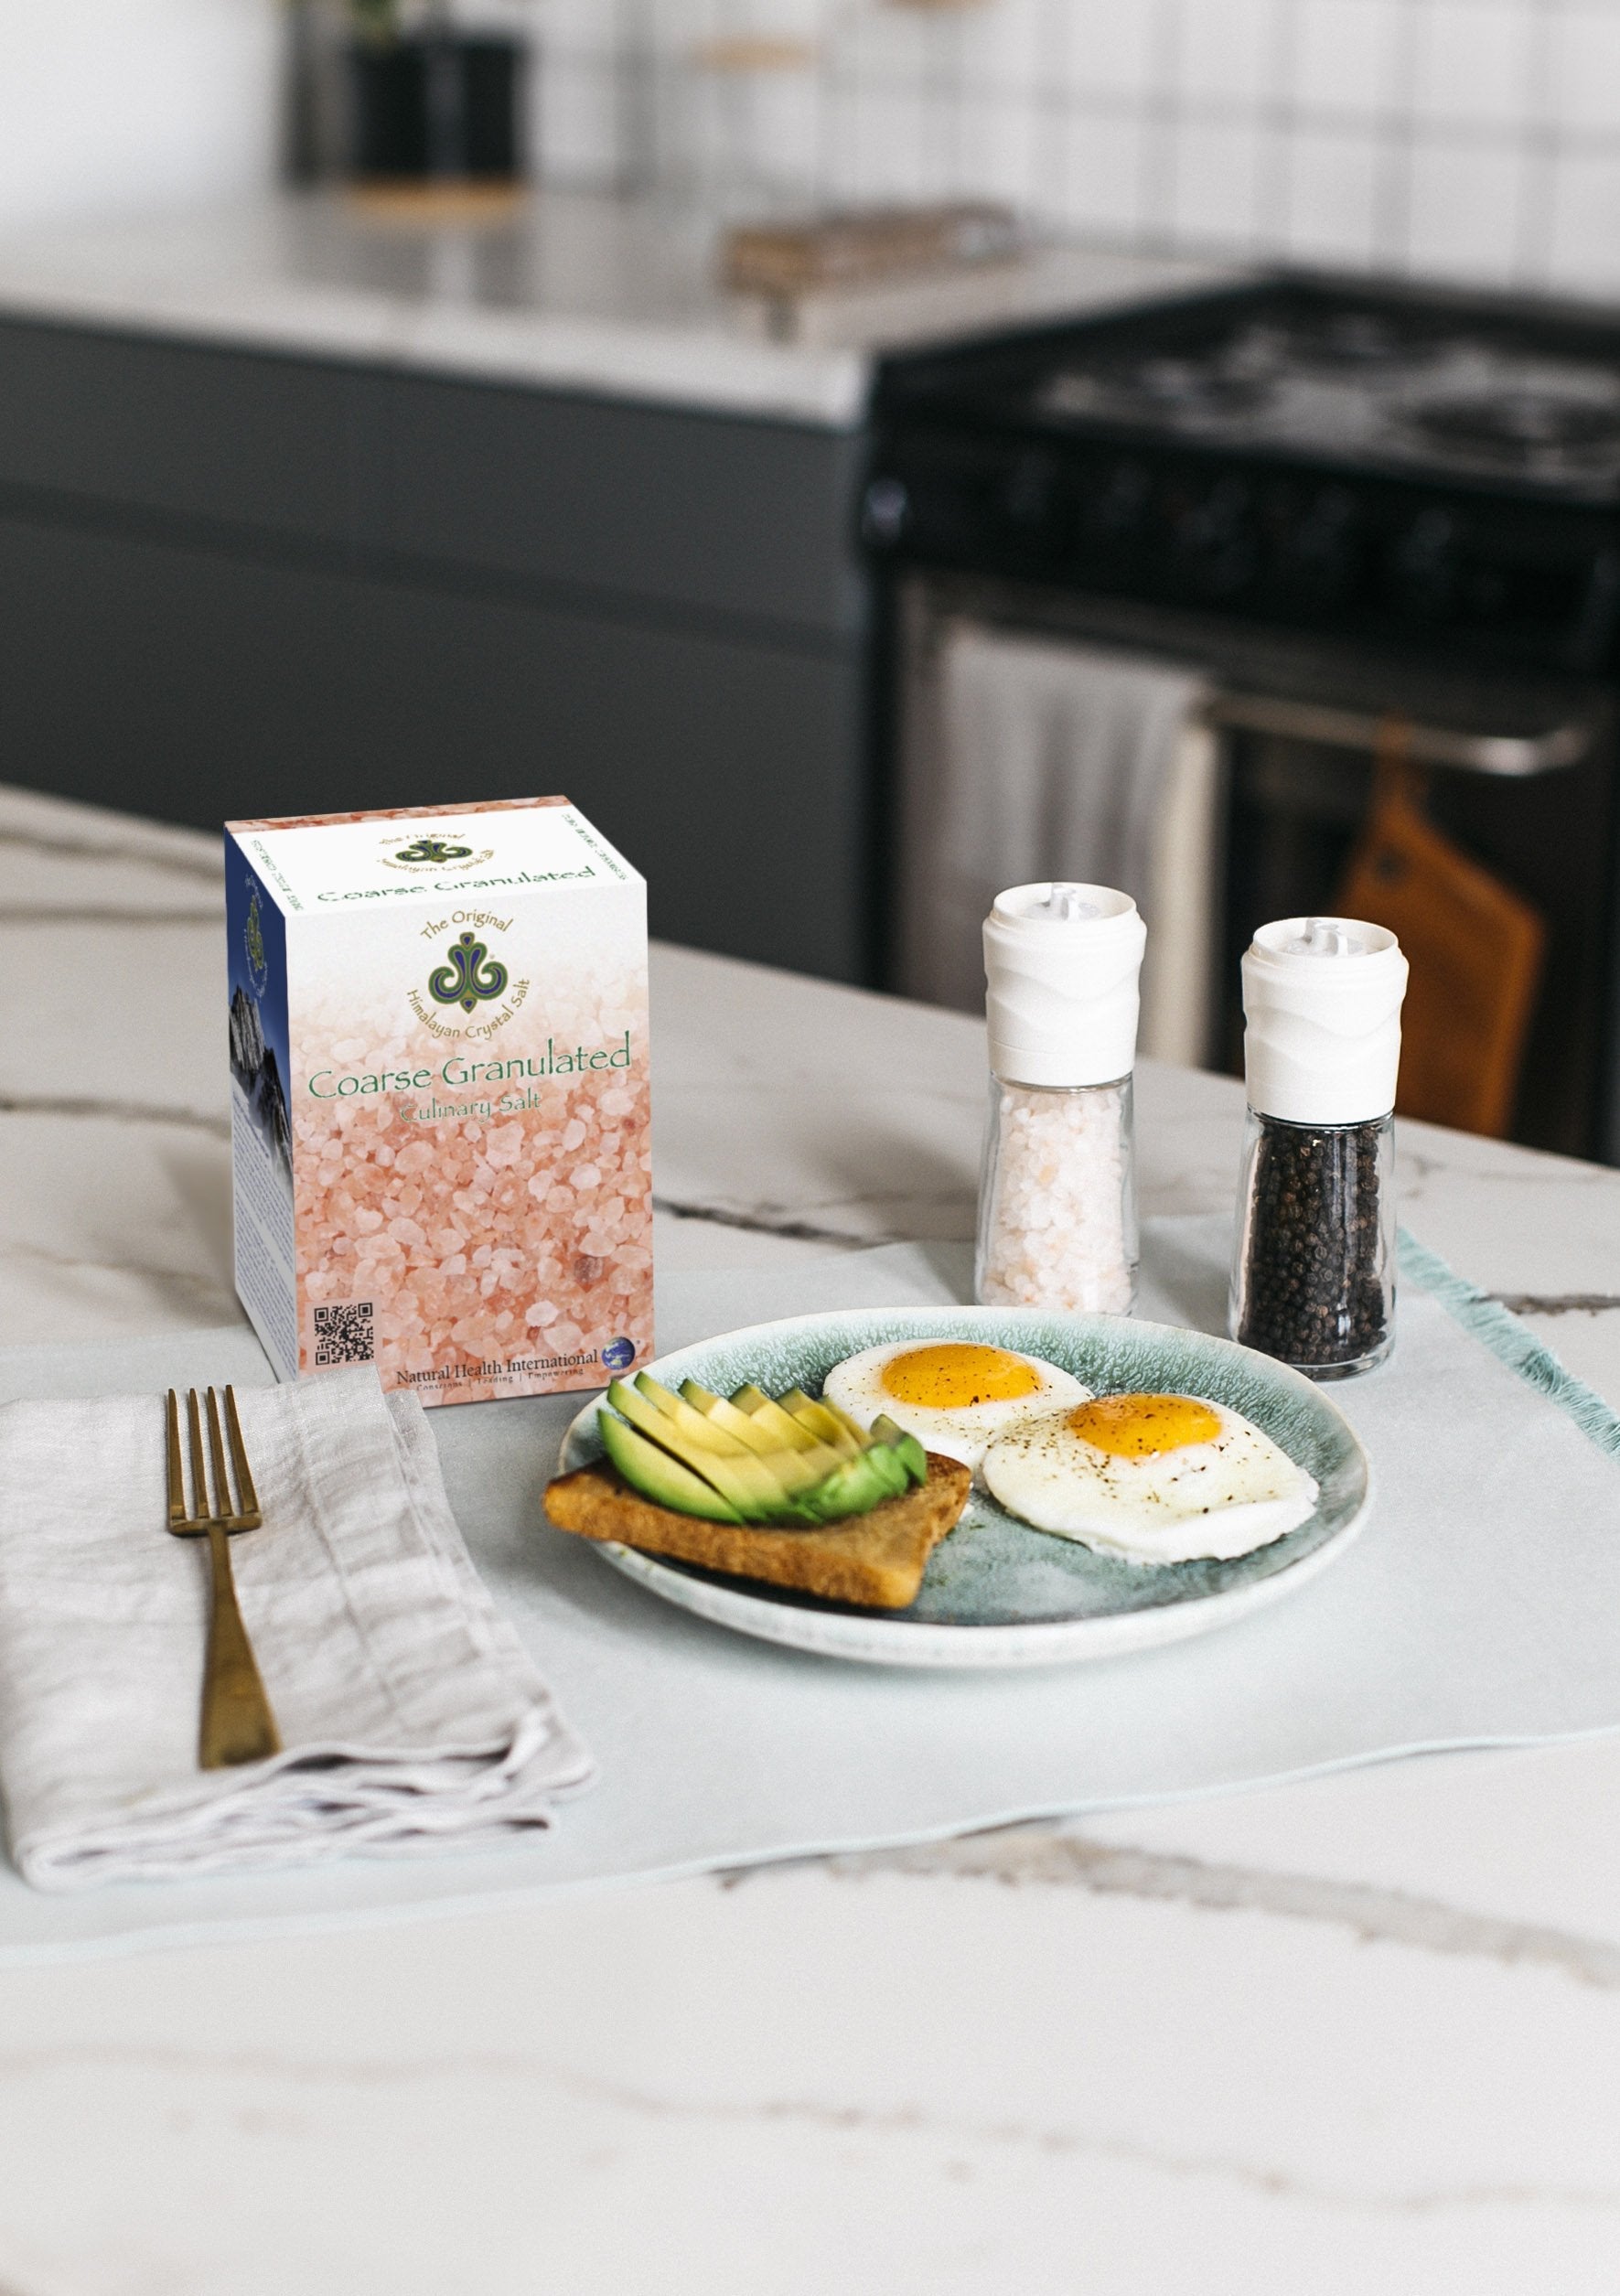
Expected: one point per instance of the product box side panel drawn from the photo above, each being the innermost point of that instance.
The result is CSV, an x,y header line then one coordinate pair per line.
x,y
471,1128
258,1040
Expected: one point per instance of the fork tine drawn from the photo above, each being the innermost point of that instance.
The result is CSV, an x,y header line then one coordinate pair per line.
x,y
200,1480
223,1506
177,1478
248,1498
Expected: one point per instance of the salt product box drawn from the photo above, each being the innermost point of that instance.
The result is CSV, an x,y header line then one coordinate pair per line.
x,y
440,1097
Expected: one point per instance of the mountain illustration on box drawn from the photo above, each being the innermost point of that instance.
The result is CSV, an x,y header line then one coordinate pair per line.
x,y
255,1068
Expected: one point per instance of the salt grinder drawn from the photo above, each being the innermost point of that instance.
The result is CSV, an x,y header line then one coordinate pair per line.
x,y
1313,1269
1058,1198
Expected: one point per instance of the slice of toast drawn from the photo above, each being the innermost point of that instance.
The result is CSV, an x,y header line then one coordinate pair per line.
x,y
876,1558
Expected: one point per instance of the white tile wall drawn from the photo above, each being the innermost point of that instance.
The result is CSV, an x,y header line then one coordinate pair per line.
x,y
1105,48
136,104
1474,139
1330,204
1345,57
1473,60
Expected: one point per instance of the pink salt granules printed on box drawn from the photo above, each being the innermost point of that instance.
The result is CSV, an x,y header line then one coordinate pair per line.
x,y
442,1106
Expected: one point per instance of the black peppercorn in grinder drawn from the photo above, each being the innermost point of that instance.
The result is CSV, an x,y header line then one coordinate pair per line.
x,y
1314,1271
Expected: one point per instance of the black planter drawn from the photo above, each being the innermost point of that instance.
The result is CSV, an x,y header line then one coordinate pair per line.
x,y
437,105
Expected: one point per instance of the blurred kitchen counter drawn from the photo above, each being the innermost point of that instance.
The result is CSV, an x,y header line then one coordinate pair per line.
x,y
570,291
305,509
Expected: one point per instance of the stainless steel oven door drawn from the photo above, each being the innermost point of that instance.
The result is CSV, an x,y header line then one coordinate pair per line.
x,y
1520,773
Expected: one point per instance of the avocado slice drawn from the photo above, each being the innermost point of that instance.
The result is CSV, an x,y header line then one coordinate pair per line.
x,y
704,1455
772,1420
807,1459
817,1427
826,1420
633,1406
749,1486
658,1476
859,1484
914,1457
696,1431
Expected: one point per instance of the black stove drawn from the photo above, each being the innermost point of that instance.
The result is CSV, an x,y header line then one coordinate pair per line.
x,y
1438,472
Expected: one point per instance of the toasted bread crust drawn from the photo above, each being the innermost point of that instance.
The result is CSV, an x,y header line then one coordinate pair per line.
x,y
875,1559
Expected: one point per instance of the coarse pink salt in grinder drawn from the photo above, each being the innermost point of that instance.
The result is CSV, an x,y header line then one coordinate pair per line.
x,y
1057,1196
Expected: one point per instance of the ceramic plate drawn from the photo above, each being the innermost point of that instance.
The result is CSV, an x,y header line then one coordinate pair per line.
x,y
995,1592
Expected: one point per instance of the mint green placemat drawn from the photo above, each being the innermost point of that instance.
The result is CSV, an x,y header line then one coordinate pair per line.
x,y
1480,1606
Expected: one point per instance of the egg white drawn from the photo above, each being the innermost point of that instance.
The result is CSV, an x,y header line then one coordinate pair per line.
x,y
1218,1498
960,1431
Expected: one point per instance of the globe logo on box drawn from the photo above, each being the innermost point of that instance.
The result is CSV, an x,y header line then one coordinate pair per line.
x,y
619,1354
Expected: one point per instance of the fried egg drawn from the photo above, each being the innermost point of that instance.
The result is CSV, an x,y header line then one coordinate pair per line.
x,y
955,1397
1154,1479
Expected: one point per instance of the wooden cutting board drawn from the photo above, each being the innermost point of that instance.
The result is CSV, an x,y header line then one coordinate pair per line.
x,y
1474,946
863,246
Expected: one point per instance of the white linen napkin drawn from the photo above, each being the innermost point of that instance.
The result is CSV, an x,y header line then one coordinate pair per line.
x,y
1042,758
410,1713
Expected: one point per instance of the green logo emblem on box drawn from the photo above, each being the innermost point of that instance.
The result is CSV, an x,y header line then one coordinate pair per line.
x,y
434,850
467,980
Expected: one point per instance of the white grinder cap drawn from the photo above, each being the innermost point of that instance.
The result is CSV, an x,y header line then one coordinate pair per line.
x,y
1322,1000
1061,962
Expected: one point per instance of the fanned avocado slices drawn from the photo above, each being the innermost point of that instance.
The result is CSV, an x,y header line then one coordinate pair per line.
x,y
659,1475
752,1458
759,1433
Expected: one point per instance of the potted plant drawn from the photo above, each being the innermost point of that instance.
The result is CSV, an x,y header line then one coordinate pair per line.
x,y
431,103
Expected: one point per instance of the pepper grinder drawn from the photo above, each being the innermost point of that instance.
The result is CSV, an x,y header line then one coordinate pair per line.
x,y
1314,1268
1057,1196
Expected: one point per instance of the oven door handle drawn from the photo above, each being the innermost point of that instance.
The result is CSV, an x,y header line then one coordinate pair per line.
x,y
1512,756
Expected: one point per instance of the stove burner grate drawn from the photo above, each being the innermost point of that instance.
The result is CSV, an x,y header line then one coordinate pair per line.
x,y
1521,426
1156,388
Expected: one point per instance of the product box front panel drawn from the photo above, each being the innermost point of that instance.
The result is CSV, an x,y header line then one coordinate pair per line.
x,y
468,1095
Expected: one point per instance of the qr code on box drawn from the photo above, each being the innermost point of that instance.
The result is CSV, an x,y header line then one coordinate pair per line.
x,y
343,1334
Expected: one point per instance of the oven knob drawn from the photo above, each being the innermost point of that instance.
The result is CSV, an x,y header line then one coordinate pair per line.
x,y
1428,563
1213,540
1033,504
886,513
1321,552
1118,504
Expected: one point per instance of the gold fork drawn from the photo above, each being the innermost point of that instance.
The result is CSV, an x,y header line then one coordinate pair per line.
x,y
237,1722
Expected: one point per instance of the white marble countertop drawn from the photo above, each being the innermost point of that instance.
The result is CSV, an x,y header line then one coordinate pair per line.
x,y
1354,2034
574,291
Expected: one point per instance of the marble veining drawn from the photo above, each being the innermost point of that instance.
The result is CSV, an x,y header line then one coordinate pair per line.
x,y
767,1221
43,913
197,2070
1044,1858
1347,2033
130,1112
1557,1302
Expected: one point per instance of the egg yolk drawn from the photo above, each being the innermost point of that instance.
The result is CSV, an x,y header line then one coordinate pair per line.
x,y
1138,1426
955,1374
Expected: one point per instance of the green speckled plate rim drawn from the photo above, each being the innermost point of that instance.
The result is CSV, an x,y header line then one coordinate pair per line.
x,y
996,1593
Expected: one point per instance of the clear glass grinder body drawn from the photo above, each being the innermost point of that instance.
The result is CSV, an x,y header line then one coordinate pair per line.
x,y
1313,1266
1057,1224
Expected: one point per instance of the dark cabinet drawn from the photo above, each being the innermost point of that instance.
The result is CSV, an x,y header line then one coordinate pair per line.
x,y
238,582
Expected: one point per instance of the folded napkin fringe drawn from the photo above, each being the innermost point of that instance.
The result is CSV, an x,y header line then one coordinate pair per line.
x,y
412,1717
